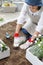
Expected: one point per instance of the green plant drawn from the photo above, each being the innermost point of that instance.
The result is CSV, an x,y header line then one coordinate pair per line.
x,y
1,19
3,47
37,49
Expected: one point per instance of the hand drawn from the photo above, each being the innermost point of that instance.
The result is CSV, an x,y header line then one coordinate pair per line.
x,y
30,40
16,35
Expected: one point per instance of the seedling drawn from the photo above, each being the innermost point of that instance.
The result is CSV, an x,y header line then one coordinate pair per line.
x,y
4,50
1,19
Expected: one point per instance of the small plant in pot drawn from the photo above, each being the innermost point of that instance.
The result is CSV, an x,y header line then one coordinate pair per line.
x,y
3,47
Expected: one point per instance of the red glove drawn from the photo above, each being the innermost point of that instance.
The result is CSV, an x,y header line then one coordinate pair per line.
x,y
16,35
30,40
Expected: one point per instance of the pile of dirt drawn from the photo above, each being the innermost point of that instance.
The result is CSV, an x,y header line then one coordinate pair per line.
x,y
17,56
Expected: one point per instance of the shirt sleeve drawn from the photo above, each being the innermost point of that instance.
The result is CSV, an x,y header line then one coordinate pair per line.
x,y
39,27
23,13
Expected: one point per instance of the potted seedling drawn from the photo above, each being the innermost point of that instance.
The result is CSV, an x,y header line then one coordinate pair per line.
x,y
4,50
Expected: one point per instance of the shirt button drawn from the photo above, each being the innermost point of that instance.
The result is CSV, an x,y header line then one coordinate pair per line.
x,y
32,14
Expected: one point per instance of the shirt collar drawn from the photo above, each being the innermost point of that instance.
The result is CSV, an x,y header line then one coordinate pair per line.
x,y
36,13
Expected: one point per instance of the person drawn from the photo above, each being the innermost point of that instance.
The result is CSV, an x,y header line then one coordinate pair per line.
x,y
32,13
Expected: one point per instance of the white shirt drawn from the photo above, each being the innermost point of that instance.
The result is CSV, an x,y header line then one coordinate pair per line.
x,y
23,14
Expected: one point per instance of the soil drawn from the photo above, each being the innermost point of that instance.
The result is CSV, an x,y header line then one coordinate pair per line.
x,y
17,56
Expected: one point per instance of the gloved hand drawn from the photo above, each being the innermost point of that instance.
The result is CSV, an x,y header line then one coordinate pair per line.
x,y
18,40
27,44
